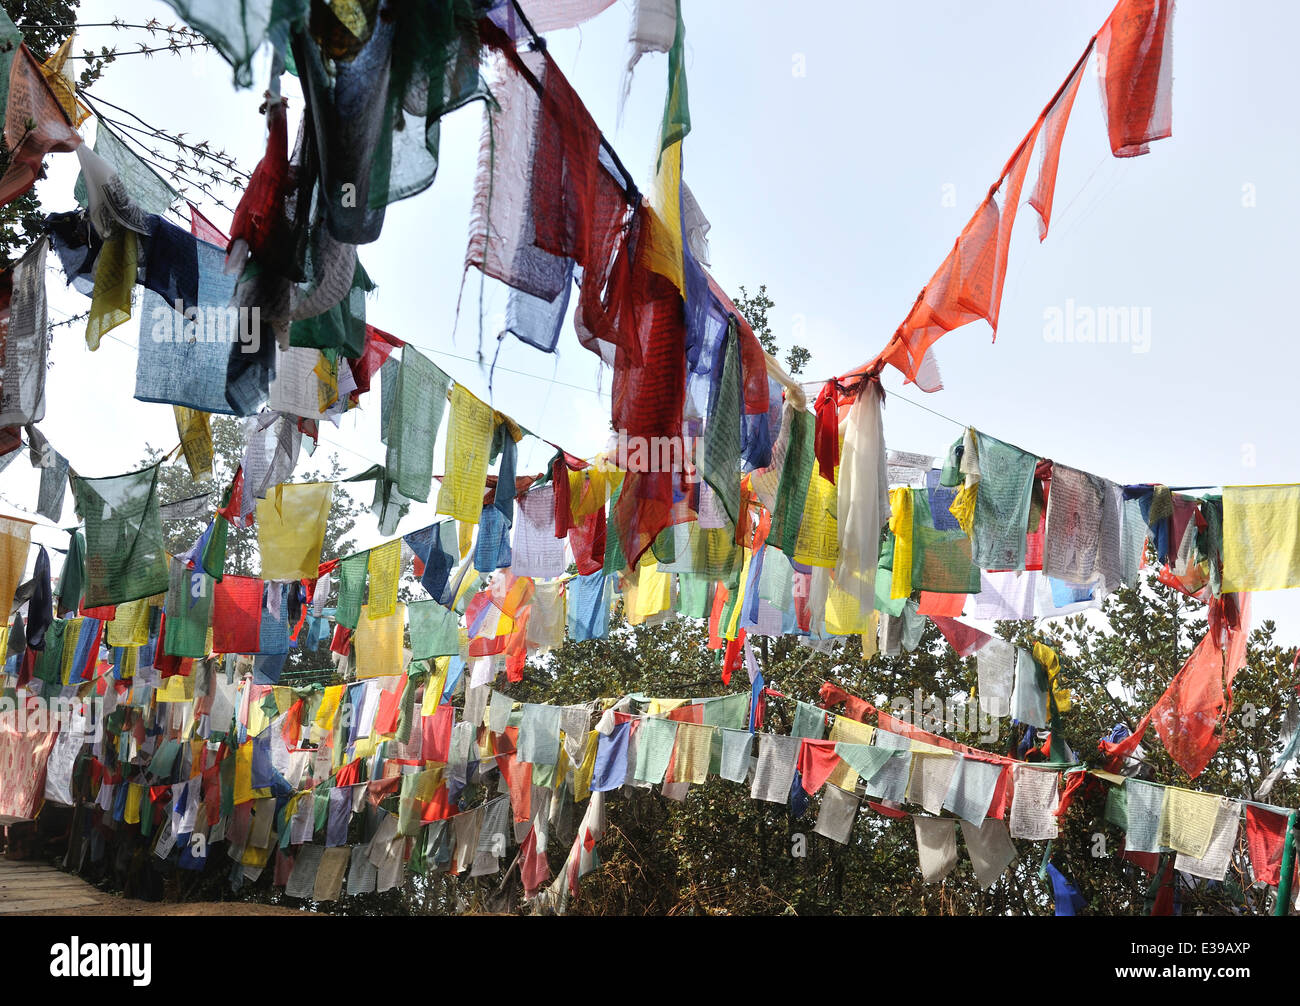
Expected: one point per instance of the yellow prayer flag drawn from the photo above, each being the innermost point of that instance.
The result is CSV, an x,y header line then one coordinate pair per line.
x,y
732,629
962,507
244,791
71,633
115,275
291,530
1261,538
1187,821
844,616
900,522
62,84
177,688
384,569
818,541
662,248
195,431
582,774
130,624
649,593
434,686
15,542
469,439
870,637
693,746
134,797
1046,657
323,724
662,707
378,643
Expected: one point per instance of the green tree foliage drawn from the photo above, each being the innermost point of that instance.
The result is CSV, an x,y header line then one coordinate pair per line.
x,y
755,307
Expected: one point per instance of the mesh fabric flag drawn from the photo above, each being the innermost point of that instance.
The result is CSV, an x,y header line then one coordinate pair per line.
x,y
435,630
189,611
352,589
24,338
237,614
183,361
1136,67
1190,714
125,559
382,570
796,469
15,541
469,438
720,465
378,643
502,225
1006,482
419,401
941,560
146,189
1265,837
1261,537
377,84
291,529
237,28
35,124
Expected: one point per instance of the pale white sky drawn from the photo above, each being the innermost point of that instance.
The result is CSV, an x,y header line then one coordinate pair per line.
x,y
829,186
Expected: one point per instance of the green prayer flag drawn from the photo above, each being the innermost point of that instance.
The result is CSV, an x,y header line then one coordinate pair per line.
x,y
792,491
164,759
1002,504
865,759
809,721
941,559
419,402
341,329
615,560
125,557
352,589
144,185
10,39
730,711
720,464
677,112
435,630
49,663
1117,806
694,595
189,611
654,748
73,575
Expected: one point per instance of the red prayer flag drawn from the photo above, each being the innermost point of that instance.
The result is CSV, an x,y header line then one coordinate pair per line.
x,y
1190,714
236,614
1136,67
817,760
1265,838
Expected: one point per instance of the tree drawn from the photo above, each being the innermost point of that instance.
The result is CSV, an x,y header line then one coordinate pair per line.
x,y
755,307
719,852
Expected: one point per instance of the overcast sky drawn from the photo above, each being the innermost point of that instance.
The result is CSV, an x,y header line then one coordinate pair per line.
x,y
837,152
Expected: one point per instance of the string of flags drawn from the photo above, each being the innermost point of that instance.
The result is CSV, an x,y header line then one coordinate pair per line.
x,y
723,496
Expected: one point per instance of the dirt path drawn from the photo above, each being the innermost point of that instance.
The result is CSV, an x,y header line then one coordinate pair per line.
x,y
32,888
